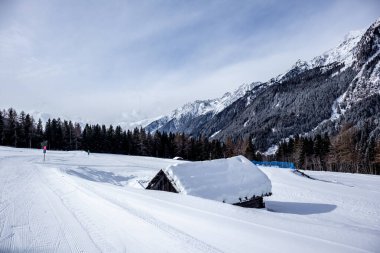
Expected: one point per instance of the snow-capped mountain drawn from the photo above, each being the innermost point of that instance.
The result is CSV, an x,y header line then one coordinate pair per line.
x,y
367,56
180,118
344,53
341,86
136,124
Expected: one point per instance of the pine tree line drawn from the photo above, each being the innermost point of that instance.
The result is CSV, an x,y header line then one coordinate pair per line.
x,y
101,139
22,131
351,150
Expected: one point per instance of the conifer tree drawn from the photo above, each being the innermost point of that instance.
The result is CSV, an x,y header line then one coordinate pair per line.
x,y
110,139
29,130
48,133
20,129
39,135
249,150
229,147
118,140
299,152
377,153
1,128
78,132
11,128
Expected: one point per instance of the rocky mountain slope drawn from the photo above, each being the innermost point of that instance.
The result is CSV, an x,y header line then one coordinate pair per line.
x,y
314,96
192,115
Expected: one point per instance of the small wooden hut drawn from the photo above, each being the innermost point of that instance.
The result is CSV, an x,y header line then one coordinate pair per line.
x,y
234,180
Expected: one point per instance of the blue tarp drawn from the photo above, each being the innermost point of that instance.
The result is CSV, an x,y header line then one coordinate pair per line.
x,y
286,165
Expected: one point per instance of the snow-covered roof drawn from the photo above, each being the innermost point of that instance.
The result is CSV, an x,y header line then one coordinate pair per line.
x,y
222,180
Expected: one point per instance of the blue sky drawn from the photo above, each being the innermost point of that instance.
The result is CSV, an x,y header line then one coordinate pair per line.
x,y
111,61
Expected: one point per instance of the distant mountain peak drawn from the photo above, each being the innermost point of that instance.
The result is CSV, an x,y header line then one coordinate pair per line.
x,y
343,53
181,116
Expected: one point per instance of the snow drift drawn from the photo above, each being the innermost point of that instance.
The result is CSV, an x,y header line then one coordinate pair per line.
x,y
228,180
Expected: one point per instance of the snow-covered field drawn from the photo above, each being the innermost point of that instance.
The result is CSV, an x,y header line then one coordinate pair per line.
x,y
73,202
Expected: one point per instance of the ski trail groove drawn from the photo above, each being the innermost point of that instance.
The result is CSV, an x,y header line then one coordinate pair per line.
x,y
73,243
175,233
162,226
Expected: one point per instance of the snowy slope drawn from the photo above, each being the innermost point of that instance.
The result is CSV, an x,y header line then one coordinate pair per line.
x,y
367,81
182,115
344,53
348,53
363,53
225,180
79,203
139,124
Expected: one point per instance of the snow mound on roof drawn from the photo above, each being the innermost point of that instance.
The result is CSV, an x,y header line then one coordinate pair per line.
x,y
222,180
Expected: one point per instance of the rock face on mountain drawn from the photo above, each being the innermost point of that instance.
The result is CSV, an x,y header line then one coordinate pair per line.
x,y
316,96
292,106
192,115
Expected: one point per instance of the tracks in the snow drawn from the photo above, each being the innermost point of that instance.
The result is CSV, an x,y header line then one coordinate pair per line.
x,y
173,232
192,244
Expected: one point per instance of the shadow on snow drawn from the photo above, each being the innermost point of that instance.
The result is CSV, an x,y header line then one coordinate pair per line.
x,y
99,176
298,208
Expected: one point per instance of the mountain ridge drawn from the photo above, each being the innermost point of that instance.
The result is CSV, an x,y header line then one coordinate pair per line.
x,y
181,117
317,92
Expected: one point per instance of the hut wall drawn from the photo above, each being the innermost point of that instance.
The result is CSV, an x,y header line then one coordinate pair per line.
x,y
255,202
161,183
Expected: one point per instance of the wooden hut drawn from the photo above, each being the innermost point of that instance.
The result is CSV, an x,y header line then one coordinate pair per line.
x,y
234,180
